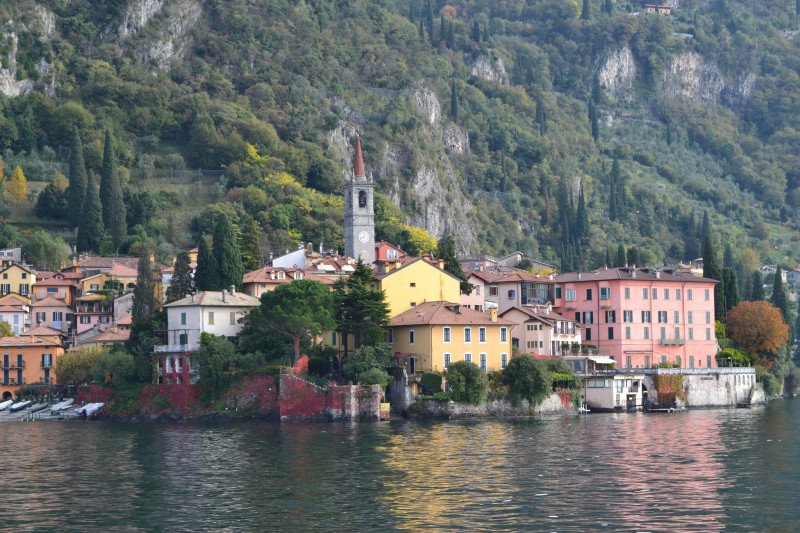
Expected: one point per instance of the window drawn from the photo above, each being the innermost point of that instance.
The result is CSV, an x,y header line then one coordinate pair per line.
x,y
558,293
708,295
646,317
211,318
512,294
611,333
412,304
588,317
411,337
333,338
5,275
627,317
708,317
678,360
23,289
663,359
477,290
58,316
105,319
628,361
446,334
578,318
183,319
647,361
677,294
588,334
588,294
627,333
691,361
662,317
691,334
666,294
233,318
94,286
655,293
446,360
41,317
663,333
571,295
483,361
677,333
708,334
503,360
493,290
503,334
391,336
482,334
412,284
708,361
689,294
5,288
468,357
24,275
605,293
645,293
598,383
677,317
84,320
627,293
467,334
611,317
689,317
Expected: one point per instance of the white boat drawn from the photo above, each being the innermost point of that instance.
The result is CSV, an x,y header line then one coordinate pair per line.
x,y
6,404
60,406
38,407
89,409
19,406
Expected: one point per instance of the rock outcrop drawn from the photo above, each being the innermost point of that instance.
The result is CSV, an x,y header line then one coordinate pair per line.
x,y
618,74
491,69
9,84
174,41
137,15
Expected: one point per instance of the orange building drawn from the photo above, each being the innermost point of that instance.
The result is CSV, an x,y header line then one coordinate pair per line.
x,y
26,360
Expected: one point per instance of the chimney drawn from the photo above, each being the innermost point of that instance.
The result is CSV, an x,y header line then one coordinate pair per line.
x,y
579,276
658,274
225,296
310,248
440,262
493,314
358,161
192,297
233,289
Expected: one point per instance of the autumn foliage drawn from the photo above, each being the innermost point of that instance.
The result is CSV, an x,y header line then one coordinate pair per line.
x,y
758,327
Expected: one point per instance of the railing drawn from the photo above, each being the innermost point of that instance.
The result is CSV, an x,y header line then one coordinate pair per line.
x,y
671,342
47,364
14,365
13,382
169,348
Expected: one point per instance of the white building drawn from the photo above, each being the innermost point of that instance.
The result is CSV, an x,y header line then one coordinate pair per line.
x,y
540,330
18,317
218,313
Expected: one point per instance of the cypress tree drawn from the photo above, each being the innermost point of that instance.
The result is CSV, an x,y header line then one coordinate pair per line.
x,y
757,286
249,244
613,207
476,31
595,128
411,15
779,298
585,11
227,254
633,256
106,175
608,264
205,275
442,29
451,36
181,283
581,217
430,23
117,226
713,270
622,256
144,299
541,115
446,250
608,7
453,99
90,228
705,229
727,257
421,31
486,33
77,180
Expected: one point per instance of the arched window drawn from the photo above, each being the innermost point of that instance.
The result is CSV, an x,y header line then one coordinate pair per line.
x,y
362,198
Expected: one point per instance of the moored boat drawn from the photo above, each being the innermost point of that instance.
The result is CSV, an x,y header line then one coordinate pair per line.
x,y
37,407
6,404
60,406
19,406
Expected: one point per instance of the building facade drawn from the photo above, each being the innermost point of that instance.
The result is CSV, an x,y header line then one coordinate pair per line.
x,y
642,317
411,281
26,360
538,330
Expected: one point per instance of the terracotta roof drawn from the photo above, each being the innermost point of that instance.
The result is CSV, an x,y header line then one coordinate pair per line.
x,y
11,308
122,270
631,273
13,300
111,335
407,261
43,331
444,313
359,170
262,275
125,321
507,276
541,314
27,340
106,263
49,301
26,268
215,298
54,282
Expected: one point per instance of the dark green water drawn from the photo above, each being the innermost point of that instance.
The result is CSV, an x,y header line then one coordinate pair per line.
x,y
700,470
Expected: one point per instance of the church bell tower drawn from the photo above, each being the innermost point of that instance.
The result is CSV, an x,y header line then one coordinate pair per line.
x,y
359,211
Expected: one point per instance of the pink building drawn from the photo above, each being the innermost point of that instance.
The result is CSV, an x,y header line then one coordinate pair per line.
x,y
93,312
642,317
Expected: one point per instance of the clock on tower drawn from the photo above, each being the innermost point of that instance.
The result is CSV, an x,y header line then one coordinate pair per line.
x,y
359,211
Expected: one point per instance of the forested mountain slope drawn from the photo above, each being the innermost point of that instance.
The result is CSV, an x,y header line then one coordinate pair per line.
x,y
556,128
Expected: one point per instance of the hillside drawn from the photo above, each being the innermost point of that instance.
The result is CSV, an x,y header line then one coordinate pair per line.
x,y
485,120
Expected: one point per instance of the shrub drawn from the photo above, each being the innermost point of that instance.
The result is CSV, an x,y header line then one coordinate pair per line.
x,y
374,376
736,356
319,366
468,383
771,384
432,382
115,368
719,330
365,358
527,379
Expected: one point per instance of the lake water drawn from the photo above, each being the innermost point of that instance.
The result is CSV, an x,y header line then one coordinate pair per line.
x,y
699,470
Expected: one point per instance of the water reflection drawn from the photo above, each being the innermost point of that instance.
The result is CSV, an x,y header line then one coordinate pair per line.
x,y
701,470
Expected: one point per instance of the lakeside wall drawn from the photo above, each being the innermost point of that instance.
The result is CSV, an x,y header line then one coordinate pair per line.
x,y
714,387
555,404
300,400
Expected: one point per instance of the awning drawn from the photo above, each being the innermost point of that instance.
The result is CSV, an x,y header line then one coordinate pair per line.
x,y
602,360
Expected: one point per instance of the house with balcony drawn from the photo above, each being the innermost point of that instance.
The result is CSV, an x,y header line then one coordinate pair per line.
x,y
267,278
642,317
93,311
53,312
218,313
16,278
27,359
56,285
504,289
603,388
539,330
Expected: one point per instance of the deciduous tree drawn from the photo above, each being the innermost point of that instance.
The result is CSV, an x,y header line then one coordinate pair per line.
x,y
757,327
18,188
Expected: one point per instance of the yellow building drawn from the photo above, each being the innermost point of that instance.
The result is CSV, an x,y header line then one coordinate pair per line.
x,y
408,282
18,279
433,335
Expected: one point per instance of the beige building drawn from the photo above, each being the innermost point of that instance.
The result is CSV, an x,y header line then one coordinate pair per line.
x,y
53,313
540,330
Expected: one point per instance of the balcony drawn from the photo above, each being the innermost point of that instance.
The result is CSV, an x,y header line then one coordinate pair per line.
x,y
13,365
47,364
672,342
171,348
12,382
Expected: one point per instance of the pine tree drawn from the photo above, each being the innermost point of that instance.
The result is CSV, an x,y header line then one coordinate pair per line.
x,y
446,250
181,283
365,312
144,298
227,254
757,286
476,31
107,172
18,188
90,228
595,128
77,179
586,10
731,288
713,270
622,256
249,244
206,274
454,99
779,298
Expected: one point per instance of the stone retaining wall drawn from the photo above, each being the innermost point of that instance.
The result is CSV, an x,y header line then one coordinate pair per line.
x,y
448,410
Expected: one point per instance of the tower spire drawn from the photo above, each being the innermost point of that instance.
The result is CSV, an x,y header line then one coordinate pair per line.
x,y
358,161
